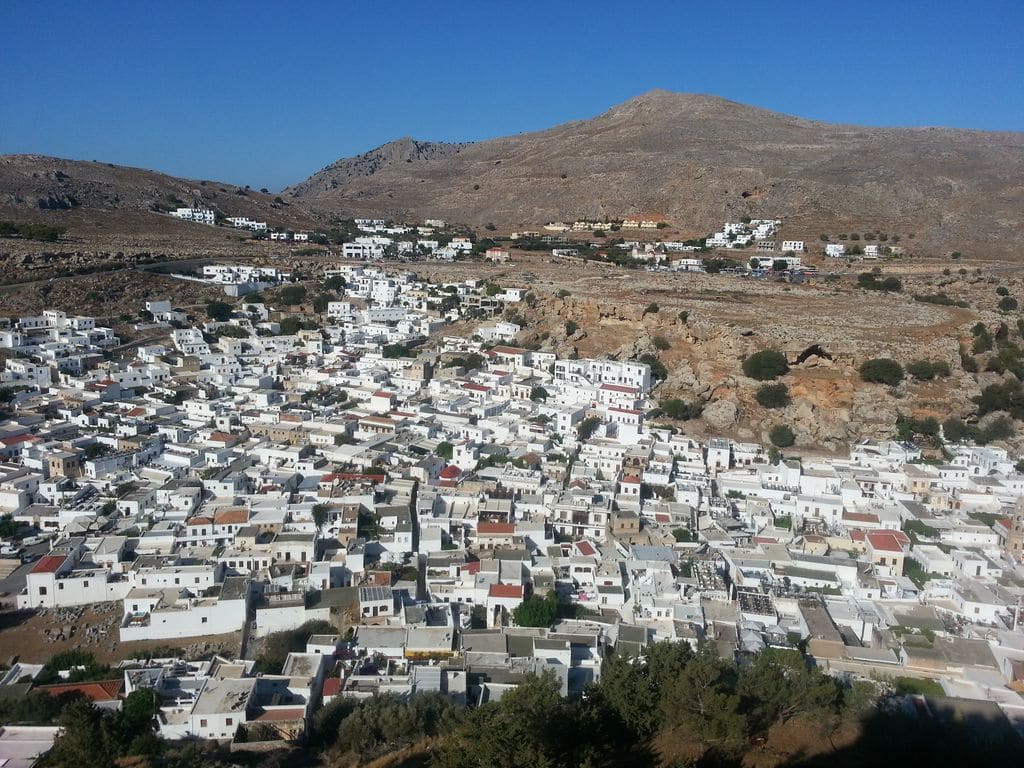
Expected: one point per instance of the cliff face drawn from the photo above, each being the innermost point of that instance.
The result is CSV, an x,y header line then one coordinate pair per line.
x,y
698,160
703,355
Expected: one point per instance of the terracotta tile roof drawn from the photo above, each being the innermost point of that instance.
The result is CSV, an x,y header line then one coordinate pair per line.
x,y
887,541
98,690
279,715
619,388
486,527
331,686
231,516
49,564
509,591
585,548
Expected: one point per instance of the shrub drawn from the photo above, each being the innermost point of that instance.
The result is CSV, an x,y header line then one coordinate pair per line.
x,y
765,365
218,311
651,309
782,436
870,282
571,327
658,369
926,370
292,294
773,396
562,293
1002,290
680,409
882,370
1007,304
661,343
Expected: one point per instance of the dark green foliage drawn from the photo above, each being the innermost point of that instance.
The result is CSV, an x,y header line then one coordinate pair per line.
x,y
470,362
881,370
1006,396
1007,304
537,611
680,409
782,436
292,294
967,362
926,370
320,302
940,299
91,669
395,350
1002,290
714,266
651,309
445,450
43,232
661,343
870,282
334,283
588,427
538,394
773,396
766,365
907,428
277,645
658,370
219,311
386,723
7,526
999,428
958,431
571,327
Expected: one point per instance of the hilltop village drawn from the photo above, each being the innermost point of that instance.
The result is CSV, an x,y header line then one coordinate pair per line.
x,y
455,513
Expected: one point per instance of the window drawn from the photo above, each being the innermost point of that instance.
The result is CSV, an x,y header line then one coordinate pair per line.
x,y
197,579
85,583
229,721
203,723
42,590
60,585
205,618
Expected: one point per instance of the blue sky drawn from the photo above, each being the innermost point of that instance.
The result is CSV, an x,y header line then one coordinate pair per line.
x,y
265,93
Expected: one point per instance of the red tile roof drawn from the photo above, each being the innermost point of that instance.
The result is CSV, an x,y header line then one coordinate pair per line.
x,y
620,388
49,564
331,686
451,472
486,527
510,591
99,690
585,548
887,541
278,715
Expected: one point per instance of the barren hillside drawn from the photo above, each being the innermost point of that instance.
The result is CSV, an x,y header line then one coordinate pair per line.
x,y
697,160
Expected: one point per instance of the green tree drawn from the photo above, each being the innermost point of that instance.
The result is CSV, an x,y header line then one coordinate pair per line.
x,y
538,394
320,514
537,611
1007,304
395,350
571,327
881,370
782,436
291,295
765,365
586,428
773,395
445,450
680,409
218,311
320,302
7,526
702,701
